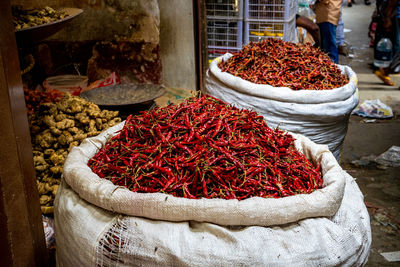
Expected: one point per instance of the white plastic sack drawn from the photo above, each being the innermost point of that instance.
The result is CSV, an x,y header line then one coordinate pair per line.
x,y
321,115
88,235
160,206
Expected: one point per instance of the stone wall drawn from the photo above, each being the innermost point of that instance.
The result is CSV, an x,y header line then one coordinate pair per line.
x,y
124,35
148,34
177,43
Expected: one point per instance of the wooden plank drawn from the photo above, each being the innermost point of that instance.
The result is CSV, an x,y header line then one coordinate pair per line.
x,y
200,34
24,243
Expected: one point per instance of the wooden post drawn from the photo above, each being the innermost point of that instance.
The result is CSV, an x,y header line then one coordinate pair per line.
x,y
22,241
200,39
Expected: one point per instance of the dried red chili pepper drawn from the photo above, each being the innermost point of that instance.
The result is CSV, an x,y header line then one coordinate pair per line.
x,y
205,148
285,64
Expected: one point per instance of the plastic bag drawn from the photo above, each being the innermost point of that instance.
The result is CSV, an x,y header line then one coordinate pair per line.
x,y
373,109
112,79
73,84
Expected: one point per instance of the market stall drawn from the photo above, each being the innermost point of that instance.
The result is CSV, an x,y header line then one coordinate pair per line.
x,y
243,173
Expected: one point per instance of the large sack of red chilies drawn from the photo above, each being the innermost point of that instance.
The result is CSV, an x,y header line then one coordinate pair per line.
x,y
204,183
294,86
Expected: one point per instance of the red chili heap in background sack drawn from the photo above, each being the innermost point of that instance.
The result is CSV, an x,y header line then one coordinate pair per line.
x,y
205,148
284,64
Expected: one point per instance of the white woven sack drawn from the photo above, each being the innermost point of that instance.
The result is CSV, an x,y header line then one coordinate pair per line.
x,y
91,236
321,115
160,206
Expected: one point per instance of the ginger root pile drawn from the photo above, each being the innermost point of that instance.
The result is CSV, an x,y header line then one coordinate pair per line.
x,y
55,129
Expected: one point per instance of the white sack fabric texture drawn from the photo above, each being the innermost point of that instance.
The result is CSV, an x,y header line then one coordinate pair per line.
x,y
159,206
91,236
321,115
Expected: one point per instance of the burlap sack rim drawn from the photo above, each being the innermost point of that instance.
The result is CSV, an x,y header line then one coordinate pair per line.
x,y
285,94
253,211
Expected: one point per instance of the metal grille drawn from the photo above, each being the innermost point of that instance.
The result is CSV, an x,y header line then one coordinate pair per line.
x,y
224,34
224,8
275,10
269,19
258,30
234,23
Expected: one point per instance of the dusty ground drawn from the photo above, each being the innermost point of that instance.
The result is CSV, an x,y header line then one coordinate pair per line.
x,y
381,187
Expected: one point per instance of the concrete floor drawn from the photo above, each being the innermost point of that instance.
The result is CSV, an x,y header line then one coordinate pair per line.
x,y
381,187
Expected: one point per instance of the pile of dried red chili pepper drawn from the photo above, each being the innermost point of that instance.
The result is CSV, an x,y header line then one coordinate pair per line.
x,y
204,148
285,64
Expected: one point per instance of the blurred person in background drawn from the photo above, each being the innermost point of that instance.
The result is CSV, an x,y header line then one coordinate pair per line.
x,y
340,34
389,25
311,27
327,14
340,38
